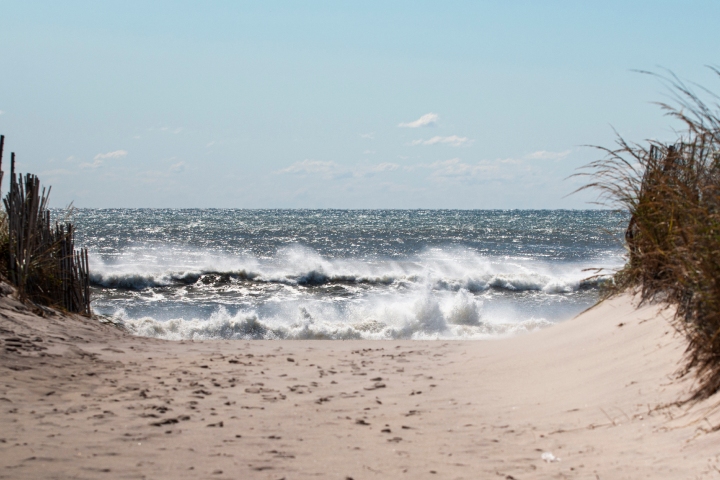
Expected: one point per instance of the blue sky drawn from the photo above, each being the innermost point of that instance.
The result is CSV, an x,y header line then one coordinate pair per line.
x,y
336,104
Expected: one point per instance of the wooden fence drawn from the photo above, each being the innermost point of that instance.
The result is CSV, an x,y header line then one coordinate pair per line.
x,y
42,261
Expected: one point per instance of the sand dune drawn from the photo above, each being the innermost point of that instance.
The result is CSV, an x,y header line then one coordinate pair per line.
x,y
589,398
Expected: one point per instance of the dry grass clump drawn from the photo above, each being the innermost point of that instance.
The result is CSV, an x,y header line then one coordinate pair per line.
x,y
672,193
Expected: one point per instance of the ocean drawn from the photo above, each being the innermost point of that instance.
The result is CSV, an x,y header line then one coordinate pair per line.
x,y
339,274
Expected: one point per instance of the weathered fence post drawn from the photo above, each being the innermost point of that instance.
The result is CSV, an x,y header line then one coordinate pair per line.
x,y
42,260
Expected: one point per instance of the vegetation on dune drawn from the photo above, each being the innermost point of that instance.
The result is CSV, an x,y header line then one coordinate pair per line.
x,y
37,256
672,193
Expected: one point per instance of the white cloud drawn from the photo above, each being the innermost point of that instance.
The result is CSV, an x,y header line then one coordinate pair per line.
x,y
385,167
452,140
171,130
177,167
545,155
101,157
426,120
369,152
510,161
369,136
1,112
331,170
457,168
310,166
115,154
95,164
365,171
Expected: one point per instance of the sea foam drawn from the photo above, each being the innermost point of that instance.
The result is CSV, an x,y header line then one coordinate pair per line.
x,y
457,315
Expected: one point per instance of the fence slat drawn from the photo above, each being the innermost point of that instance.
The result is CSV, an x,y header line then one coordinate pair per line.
x,y
42,261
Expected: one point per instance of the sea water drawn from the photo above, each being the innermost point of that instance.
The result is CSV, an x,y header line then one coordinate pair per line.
x,y
339,274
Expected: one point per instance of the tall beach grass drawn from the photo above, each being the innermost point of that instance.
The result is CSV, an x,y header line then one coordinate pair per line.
x,y
672,193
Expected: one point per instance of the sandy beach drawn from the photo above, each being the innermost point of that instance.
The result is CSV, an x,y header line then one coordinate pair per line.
x,y
589,398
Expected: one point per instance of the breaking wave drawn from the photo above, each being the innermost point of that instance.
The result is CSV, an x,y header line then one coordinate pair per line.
x,y
298,294
300,267
422,319
314,278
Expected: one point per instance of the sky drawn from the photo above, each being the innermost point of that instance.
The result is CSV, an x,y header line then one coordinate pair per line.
x,y
337,104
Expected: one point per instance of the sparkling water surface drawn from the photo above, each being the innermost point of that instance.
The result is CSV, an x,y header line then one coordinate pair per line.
x,y
335,274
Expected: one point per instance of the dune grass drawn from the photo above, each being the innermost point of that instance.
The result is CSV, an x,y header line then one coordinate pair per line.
x,y
672,193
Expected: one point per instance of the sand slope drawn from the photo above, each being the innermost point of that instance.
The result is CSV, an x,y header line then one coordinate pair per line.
x,y
82,400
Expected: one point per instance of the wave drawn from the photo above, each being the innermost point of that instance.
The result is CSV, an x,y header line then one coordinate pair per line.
x,y
505,282
510,277
141,281
459,317
297,294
